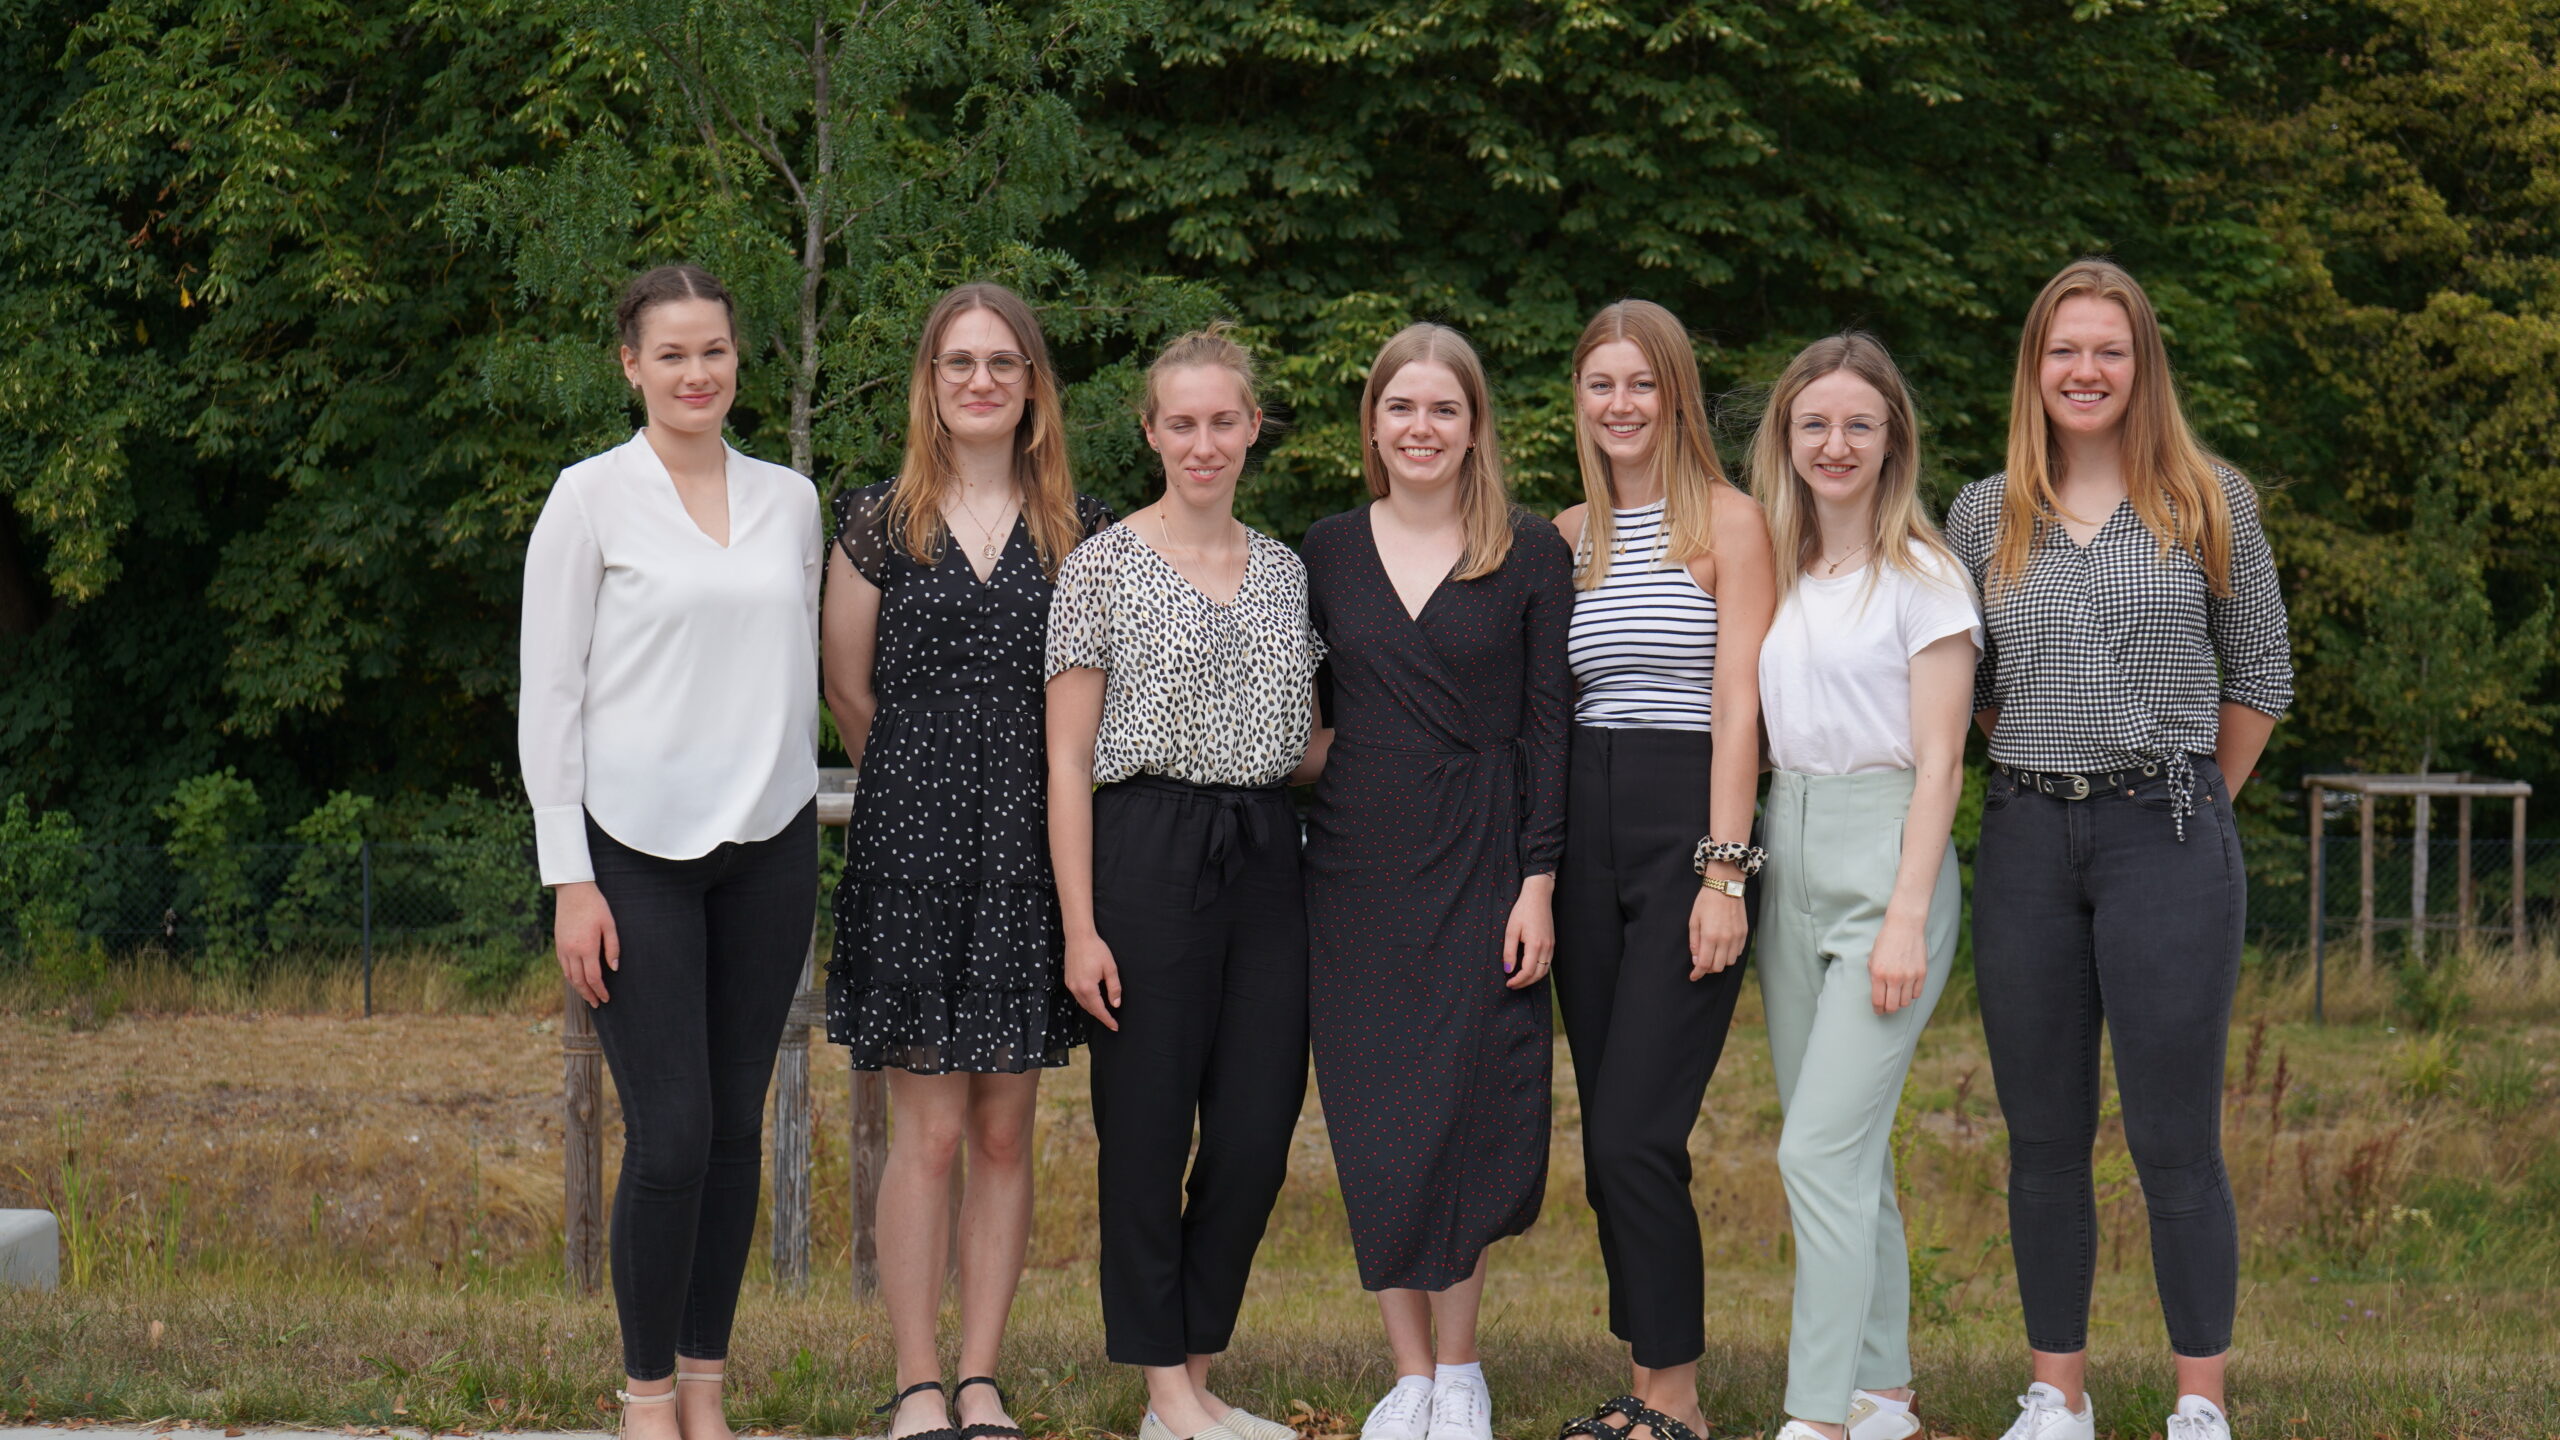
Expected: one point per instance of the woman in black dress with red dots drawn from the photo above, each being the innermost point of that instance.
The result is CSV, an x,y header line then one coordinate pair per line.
x,y
1431,856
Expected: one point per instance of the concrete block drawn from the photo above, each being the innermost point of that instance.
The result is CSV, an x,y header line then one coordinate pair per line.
x,y
30,1249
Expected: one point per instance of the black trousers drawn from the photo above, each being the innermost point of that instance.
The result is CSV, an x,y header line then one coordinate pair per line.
x,y
1196,891
2088,914
711,953
1645,1036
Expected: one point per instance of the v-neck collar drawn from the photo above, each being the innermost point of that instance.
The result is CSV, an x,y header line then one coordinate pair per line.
x,y
2082,548
664,480
956,549
1252,551
1378,558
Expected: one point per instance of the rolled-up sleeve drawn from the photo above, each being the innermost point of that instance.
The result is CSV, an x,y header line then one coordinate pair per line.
x,y
563,569
1971,524
2251,640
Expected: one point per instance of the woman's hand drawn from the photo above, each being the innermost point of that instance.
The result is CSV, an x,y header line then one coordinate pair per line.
x,y
1717,928
1529,940
1898,969
582,930
1093,977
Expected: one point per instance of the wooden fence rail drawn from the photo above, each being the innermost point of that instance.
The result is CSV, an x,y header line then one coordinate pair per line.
x,y
582,1082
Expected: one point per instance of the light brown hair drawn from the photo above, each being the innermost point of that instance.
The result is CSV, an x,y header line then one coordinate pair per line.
x,y
2168,474
1212,344
1039,442
1684,452
1900,520
1484,506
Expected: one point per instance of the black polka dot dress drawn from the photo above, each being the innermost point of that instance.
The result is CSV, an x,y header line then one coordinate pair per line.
x,y
1444,786
948,953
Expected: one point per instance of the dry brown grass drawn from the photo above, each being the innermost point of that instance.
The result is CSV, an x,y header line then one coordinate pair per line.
x,y
329,1215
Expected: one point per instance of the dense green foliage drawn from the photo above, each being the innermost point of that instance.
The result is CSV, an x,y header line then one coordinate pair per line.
x,y
303,301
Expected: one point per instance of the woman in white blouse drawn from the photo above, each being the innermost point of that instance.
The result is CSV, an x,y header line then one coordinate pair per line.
x,y
1865,679
669,729
1182,679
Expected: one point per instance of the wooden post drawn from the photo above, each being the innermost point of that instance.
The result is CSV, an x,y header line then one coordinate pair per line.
x,y
2364,896
2421,851
870,1153
791,1137
2319,905
582,1142
2515,886
2466,895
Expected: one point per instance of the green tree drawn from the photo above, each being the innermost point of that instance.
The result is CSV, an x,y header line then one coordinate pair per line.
x,y
209,816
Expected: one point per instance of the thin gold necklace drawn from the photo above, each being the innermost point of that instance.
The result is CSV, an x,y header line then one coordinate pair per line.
x,y
1832,567
993,546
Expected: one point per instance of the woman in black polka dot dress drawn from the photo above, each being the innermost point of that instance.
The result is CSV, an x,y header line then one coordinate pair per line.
x,y
947,970
1431,856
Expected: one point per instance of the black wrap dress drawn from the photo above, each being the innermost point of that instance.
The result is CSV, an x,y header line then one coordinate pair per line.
x,y
1444,786
948,952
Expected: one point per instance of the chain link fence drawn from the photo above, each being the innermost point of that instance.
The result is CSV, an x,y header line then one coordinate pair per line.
x,y
2415,909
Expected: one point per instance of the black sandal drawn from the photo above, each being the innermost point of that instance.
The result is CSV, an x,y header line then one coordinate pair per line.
x,y
940,1432
980,1432
1663,1426
1596,1426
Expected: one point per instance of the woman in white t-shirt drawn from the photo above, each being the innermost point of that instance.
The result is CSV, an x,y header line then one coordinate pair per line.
x,y
1866,679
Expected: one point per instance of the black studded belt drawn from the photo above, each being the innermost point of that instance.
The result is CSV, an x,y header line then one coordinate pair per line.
x,y
2065,786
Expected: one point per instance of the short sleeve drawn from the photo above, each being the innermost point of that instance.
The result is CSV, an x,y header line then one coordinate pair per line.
x,y
862,530
1936,603
1093,515
1080,609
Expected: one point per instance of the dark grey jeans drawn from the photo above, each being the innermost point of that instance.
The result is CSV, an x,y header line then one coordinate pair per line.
x,y
2089,913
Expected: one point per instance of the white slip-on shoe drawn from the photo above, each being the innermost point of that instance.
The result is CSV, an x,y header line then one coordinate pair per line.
x,y
1461,1409
2199,1419
2045,1417
1873,1417
1798,1430
1403,1413
1253,1427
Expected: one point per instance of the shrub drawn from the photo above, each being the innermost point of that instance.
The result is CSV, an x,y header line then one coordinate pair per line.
x,y
42,866
2433,996
323,889
209,816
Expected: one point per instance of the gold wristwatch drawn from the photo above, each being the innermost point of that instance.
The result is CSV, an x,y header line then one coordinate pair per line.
x,y
1729,887
1748,857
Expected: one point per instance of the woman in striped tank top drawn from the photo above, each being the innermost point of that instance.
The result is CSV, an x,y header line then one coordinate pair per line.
x,y
1675,587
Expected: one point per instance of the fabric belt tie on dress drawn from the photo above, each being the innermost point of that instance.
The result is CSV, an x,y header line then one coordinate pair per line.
x,y
1515,750
2177,765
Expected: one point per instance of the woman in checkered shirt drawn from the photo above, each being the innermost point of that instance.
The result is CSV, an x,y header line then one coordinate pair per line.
x,y
2134,663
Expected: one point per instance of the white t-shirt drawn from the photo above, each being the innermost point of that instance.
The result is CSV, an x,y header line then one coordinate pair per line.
x,y
1835,672
670,684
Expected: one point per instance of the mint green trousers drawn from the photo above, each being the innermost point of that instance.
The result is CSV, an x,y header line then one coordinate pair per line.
x,y
1834,842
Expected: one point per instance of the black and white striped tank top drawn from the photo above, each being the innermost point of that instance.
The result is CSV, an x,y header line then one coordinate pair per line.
x,y
1643,642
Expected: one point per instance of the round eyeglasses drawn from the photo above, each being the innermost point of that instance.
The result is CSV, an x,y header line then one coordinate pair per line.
x,y
1858,430
1003,367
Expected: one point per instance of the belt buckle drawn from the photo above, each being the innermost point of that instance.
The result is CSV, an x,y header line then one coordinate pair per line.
x,y
2079,787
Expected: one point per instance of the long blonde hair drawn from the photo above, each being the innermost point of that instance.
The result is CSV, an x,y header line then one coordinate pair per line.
x,y
1900,522
1484,507
2168,474
1684,453
1039,441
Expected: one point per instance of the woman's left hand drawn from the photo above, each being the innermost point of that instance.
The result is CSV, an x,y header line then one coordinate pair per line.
x,y
1529,940
1718,927
1898,968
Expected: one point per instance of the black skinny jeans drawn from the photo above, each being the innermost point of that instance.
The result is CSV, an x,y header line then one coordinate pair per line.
x,y
1645,1036
2088,913
1196,891
711,953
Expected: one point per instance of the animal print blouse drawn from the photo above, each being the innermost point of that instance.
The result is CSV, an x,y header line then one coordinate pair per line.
x,y
1195,691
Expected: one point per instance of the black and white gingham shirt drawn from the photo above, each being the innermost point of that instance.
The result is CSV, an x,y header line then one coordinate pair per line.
x,y
2112,655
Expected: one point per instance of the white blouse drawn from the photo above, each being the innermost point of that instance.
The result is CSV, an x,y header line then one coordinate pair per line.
x,y
670,684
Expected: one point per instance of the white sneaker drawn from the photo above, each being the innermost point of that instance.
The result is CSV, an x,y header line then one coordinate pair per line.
x,y
1873,1417
1403,1413
1461,1409
2199,1419
2047,1418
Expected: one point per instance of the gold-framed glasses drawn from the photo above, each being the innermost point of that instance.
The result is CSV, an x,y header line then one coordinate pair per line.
x,y
1813,432
1003,367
